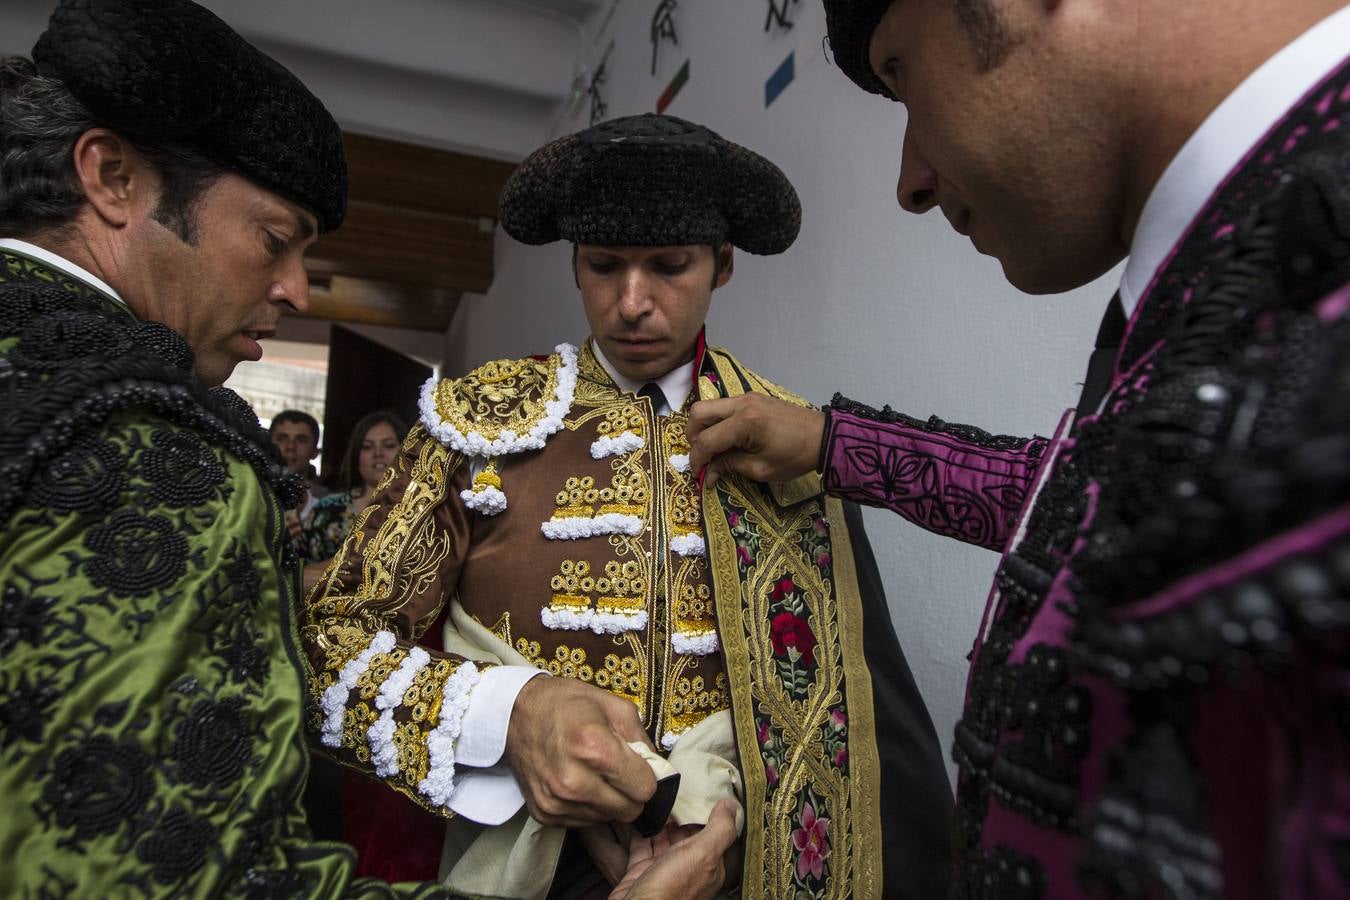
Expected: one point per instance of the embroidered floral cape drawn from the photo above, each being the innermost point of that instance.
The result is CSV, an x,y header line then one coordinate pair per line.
x,y
562,513
151,734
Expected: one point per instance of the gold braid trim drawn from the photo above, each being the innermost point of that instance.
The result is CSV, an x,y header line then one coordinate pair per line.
x,y
835,609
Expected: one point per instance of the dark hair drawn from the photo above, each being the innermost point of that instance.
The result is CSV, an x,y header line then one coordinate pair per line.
x,y
40,121
987,32
299,417
717,263
349,476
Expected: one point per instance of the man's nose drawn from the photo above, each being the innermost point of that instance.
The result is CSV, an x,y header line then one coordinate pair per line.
x,y
292,287
636,299
917,188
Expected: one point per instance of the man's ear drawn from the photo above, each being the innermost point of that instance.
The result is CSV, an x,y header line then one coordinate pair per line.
x,y
116,180
726,265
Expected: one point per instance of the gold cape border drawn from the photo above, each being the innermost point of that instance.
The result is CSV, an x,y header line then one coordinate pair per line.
x,y
864,779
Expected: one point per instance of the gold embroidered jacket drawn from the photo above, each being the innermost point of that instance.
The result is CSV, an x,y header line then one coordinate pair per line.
x,y
562,512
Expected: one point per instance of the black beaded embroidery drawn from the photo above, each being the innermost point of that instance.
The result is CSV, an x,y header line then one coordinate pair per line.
x,y
1190,266
88,477
97,785
1004,875
72,441
177,846
1169,844
213,743
182,471
159,341
24,711
40,418
135,554
66,338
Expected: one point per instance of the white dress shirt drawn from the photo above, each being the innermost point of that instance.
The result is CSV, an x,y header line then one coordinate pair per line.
x,y
676,384
1223,140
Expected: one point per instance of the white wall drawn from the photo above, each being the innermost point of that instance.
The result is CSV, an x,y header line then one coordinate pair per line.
x,y
883,306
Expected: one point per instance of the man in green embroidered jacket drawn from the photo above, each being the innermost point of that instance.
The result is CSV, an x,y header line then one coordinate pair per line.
x,y
159,181
740,637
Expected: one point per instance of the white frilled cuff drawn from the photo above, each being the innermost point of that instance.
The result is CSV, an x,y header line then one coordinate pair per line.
x,y
484,789
335,697
383,752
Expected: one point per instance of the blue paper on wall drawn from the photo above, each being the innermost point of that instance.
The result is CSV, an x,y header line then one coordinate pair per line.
x,y
780,79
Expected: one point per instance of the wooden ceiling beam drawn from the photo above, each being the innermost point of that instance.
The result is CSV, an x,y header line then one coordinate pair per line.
x,y
418,234
342,299
403,245
390,173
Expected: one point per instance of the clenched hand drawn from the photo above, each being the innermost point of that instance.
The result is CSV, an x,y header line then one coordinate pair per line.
x,y
567,744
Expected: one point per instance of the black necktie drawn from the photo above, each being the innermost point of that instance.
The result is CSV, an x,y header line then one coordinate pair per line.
x,y
652,391
1103,360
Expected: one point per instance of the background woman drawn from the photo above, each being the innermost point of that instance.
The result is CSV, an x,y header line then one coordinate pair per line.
x,y
370,452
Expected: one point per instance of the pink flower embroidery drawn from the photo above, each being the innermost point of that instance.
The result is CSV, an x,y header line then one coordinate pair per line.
x,y
764,734
792,637
838,717
840,757
744,554
771,773
734,519
812,841
822,527
823,559
782,587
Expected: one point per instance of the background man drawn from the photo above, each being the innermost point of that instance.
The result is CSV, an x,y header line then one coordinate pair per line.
x,y
296,434
549,501
159,181
1153,707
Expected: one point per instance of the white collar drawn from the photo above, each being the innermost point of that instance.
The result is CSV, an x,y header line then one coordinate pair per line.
x,y
1223,140
675,384
48,258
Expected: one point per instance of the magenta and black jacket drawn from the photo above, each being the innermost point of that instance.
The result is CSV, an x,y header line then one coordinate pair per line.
x,y
1159,702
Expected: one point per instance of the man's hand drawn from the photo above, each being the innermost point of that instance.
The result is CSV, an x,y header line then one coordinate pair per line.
x,y
760,437
567,744
608,846
667,868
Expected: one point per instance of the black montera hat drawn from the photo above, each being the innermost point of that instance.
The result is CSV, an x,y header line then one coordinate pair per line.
x,y
170,71
850,24
650,181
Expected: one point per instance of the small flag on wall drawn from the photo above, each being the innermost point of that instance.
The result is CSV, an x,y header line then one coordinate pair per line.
x,y
780,79
673,88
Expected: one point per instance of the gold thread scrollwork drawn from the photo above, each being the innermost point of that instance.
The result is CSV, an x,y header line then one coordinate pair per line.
x,y
503,395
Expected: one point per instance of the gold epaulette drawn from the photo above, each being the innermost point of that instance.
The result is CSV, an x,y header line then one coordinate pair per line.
x,y
503,407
